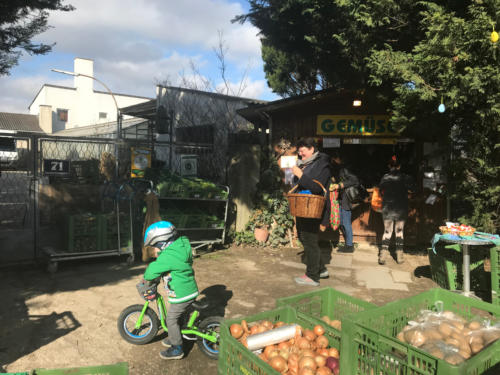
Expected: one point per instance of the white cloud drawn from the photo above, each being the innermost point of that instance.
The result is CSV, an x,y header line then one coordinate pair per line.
x,y
245,88
17,93
138,28
136,44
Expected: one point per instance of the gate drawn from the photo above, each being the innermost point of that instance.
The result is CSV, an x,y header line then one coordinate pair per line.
x,y
17,199
51,188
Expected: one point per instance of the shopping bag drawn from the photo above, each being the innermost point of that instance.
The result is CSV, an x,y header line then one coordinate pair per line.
x,y
376,200
335,209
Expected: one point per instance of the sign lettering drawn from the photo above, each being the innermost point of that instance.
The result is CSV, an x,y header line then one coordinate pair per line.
x,y
358,125
55,167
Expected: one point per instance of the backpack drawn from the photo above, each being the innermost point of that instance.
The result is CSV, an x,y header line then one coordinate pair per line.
x,y
356,193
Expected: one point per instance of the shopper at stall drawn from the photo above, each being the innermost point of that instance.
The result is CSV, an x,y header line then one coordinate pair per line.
x,y
312,165
346,179
394,188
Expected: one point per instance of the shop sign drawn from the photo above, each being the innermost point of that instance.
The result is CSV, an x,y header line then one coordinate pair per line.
x,y
331,142
370,141
141,159
355,125
55,167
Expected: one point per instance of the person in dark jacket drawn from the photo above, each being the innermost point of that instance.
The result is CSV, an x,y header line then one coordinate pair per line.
x,y
394,187
345,180
312,165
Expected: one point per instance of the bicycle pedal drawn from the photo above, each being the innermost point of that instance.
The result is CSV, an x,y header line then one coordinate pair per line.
x,y
190,338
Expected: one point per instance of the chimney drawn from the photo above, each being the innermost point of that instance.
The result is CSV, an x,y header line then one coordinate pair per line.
x,y
45,118
84,66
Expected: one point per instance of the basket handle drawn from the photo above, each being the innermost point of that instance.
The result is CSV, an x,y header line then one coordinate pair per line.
x,y
319,183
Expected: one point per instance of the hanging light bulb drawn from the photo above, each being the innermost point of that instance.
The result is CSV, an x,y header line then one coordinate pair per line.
x,y
441,107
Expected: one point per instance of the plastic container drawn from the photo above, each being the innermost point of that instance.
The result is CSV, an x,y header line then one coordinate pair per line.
x,y
369,344
495,275
325,302
234,358
446,267
83,233
115,369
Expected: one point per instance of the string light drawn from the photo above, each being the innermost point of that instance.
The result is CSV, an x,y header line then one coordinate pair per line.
x,y
441,107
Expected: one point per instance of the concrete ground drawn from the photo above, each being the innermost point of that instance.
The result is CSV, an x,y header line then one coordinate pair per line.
x,y
69,319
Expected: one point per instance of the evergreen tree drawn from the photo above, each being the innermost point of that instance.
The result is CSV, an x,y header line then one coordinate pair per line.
x,y
20,21
414,54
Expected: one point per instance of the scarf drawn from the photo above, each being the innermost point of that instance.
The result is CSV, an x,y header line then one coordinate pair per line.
x,y
302,163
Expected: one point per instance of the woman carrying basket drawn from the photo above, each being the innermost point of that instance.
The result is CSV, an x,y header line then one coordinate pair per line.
x,y
312,165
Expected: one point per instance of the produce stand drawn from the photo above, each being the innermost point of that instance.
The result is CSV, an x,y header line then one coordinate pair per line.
x,y
106,234
370,345
200,229
306,309
198,208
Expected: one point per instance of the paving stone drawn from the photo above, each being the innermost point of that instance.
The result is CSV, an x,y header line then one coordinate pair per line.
x,y
341,261
401,276
297,265
339,272
378,278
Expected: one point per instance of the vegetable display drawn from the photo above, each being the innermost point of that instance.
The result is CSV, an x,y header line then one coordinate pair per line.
x,y
448,336
172,185
306,353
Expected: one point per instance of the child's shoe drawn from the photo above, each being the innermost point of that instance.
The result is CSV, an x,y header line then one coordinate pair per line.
x,y
166,343
174,352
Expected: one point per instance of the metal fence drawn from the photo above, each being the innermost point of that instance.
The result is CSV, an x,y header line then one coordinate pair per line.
x,y
35,205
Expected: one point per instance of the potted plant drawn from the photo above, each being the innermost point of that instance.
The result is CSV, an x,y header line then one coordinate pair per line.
x,y
261,220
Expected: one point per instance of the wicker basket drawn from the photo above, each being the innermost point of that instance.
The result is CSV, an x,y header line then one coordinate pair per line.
x,y
306,205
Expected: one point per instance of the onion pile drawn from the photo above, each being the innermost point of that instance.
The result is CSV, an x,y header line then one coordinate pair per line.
x,y
308,353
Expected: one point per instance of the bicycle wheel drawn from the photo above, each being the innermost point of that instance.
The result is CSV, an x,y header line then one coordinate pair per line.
x,y
145,333
209,325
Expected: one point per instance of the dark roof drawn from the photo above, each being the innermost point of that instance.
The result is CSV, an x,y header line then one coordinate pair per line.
x,y
257,113
19,122
216,94
145,110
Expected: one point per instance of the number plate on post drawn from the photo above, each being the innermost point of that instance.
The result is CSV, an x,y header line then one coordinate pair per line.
x,y
55,167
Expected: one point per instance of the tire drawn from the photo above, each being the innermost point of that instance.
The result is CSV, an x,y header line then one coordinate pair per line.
x,y
210,349
149,327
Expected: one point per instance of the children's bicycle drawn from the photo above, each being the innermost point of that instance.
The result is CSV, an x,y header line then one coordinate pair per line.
x,y
139,324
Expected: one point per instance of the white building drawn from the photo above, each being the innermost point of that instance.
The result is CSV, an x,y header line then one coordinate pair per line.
x,y
65,108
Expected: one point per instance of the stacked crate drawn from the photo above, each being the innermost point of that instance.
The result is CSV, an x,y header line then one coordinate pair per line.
x,y
109,227
366,338
83,233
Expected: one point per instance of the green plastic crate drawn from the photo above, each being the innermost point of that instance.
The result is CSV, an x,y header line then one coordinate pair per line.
x,y
115,369
495,275
83,233
325,302
370,346
234,358
446,267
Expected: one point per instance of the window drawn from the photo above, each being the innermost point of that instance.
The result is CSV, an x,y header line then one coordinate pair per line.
x,y
62,115
103,115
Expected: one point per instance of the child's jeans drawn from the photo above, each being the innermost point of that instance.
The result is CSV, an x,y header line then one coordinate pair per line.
x,y
174,330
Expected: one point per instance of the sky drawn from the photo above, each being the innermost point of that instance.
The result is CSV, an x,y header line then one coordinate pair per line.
x,y
136,44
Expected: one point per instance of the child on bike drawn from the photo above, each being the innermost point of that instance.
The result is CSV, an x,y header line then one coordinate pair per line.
x,y
174,256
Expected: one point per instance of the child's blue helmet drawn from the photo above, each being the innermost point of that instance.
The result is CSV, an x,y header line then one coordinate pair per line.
x,y
161,231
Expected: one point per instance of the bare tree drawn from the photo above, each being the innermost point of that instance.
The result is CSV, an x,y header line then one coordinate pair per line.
x,y
203,114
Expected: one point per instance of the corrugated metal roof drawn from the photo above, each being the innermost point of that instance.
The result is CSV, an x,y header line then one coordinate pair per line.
x,y
100,129
145,110
19,122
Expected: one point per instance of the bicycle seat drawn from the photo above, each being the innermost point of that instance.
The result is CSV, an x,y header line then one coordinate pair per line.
x,y
200,305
